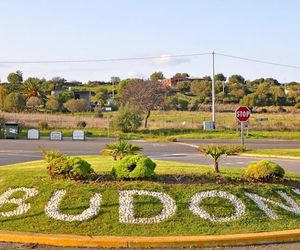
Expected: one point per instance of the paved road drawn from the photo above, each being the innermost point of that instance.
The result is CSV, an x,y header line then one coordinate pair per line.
x,y
14,151
279,246
252,144
283,246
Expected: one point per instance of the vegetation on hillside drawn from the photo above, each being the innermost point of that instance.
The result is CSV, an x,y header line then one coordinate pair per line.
x,y
32,94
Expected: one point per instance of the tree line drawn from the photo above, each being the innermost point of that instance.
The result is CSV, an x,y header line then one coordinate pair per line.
x,y
34,94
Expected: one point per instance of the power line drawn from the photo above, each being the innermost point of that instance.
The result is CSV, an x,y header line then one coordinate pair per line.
x,y
104,60
149,58
259,61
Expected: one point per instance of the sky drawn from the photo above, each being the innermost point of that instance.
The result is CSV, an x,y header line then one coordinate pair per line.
x,y
39,30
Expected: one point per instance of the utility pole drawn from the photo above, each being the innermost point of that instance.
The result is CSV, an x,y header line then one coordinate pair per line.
x,y
114,80
213,90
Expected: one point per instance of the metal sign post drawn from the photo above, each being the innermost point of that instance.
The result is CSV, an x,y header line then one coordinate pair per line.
x,y
242,114
242,134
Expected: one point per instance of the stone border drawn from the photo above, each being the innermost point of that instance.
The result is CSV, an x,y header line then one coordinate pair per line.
x,y
147,242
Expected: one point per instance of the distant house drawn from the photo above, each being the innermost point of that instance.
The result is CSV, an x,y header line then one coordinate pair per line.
x,y
172,82
83,94
78,94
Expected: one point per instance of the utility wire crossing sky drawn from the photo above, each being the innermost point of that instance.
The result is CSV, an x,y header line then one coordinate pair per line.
x,y
149,58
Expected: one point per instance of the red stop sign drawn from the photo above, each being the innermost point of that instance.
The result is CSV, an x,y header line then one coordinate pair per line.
x,y
242,113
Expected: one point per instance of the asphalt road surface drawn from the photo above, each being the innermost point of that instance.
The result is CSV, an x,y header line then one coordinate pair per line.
x,y
14,151
283,246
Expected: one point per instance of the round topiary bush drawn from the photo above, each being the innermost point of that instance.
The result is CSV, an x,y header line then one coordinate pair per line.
x,y
80,169
134,166
263,171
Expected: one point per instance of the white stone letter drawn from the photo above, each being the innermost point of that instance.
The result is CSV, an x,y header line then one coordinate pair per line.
x,y
22,206
197,210
261,203
52,209
126,211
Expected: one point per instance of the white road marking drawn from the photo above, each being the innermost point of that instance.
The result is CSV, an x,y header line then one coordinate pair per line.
x,y
187,144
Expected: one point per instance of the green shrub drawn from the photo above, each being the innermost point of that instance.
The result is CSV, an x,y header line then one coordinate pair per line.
x,y
132,167
81,124
50,155
128,119
76,105
80,169
263,170
120,149
59,165
53,104
14,102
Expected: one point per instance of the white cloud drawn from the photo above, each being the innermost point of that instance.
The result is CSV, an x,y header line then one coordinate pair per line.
x,y
167,60
133,74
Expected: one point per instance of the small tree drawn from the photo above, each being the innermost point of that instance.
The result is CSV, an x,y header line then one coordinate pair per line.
x,y
101,96
15,82
144,95
120,149
217,151
76,105
157,76
33,102
53,104
128,119
181,75
14,102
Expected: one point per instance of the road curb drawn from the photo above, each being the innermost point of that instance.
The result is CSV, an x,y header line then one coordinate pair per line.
x,y
272,156
147,242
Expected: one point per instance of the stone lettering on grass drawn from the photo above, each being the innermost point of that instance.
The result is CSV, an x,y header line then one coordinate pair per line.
x,y
126,209
126,205
23,207
195,206
52,209
262,204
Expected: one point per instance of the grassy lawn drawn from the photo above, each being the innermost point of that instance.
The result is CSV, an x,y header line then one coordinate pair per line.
x,y
295,152
187,179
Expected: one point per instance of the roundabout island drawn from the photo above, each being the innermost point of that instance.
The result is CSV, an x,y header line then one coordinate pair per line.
x,y
180,205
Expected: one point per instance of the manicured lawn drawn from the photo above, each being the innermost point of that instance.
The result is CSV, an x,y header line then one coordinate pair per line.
x,y
294,152
186,180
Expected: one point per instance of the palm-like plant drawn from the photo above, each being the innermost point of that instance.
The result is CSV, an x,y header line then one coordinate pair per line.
x,y
32,87
120,149
217,151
